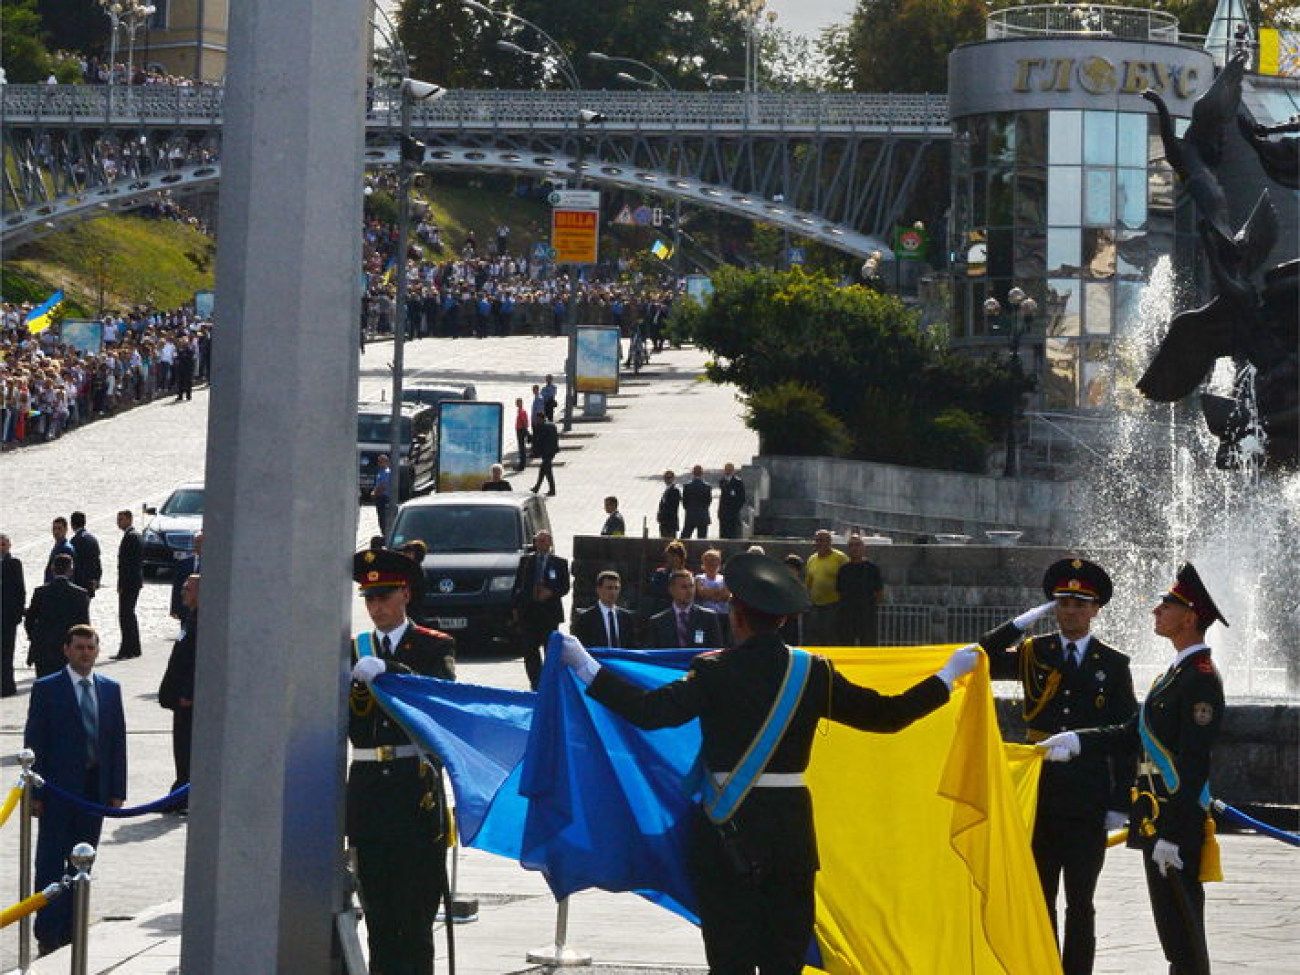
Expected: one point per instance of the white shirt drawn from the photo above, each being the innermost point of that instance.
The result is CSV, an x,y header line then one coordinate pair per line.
x,y
1187,652
394,638
1080,644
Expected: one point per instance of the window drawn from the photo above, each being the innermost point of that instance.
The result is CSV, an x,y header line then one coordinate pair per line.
x,y
1066,131
1064,188
1099,138
1061,316
1099,197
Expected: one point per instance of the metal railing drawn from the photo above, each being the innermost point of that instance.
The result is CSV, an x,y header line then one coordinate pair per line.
x,y
478,109
1082,20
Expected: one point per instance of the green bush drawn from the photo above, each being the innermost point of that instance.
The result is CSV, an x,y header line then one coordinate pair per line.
x,y
956,441
791,419
380,205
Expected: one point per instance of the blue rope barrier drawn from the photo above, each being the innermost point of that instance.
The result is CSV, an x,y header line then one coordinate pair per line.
x,y
169,801
1240,818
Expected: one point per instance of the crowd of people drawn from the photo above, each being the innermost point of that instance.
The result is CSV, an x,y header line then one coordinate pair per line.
x,y
48,387
489,289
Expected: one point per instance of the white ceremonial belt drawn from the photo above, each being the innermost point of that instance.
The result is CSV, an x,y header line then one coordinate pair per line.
x,y
768,780
384,753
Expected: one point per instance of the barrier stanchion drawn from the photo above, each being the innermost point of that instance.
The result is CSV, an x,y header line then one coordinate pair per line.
x,y
82,859
560,955
26,758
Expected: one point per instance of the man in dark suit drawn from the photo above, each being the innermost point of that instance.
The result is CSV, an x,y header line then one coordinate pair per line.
x,y
607,624
541,584
696,498
176,692
13,600
87,571
546,444
76,727
683,624
731,500
59,529
181,571
55,608
754,860
130,580
396,808
1175,728
1071,680
670,504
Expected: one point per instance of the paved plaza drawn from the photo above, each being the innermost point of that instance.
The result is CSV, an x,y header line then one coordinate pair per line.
x,y
668,417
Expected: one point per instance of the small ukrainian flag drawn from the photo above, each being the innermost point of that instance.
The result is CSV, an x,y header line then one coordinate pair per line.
x,y
661,250
42,316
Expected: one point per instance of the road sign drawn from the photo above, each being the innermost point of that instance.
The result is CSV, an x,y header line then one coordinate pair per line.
x,y
624,217
541,252
795,256
575,199
575,235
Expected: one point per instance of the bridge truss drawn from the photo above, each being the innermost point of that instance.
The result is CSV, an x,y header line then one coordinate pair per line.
x,y
833,167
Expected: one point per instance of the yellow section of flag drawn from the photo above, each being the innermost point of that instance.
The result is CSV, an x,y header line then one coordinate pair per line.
x,y
924,835
1279,53
42,316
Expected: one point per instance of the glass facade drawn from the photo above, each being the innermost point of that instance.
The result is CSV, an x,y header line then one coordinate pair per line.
x,y
1074,207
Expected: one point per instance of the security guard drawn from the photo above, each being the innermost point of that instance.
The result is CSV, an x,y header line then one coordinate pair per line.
x,y
396,809
753,852
1175,728
1071,680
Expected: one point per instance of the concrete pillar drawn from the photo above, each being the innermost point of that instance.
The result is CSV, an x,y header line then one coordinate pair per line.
x,y
262,876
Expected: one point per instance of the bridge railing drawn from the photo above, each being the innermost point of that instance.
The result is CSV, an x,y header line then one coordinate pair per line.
x,y
801,111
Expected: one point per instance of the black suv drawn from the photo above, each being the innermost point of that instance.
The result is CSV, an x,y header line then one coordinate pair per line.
x,y
475,540
419,467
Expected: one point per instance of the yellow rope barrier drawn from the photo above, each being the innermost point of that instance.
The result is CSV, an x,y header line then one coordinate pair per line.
x,y
11,801
1117,837
24,907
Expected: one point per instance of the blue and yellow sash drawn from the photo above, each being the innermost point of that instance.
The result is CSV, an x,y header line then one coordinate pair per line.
x,y
722,801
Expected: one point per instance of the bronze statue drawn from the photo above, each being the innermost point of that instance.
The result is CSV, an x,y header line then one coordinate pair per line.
x,y
1260,325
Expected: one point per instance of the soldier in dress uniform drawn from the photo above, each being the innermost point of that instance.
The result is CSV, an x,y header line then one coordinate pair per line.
x,y
1071,680
396,808
754,866
1175,728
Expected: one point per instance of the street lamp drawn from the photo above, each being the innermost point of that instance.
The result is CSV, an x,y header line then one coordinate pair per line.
x,y
131,14
1023,309
750,13
658,78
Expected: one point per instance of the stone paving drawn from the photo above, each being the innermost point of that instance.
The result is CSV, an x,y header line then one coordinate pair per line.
x,y
667,417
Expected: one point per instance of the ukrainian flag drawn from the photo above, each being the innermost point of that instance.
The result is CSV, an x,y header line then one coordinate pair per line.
x,y
42,316
661,250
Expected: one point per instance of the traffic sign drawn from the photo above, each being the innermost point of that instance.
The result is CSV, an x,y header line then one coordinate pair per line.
x,y
575,235
575,199
795,255
624,217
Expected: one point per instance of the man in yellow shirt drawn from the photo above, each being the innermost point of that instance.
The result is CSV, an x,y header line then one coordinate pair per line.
x,y
820,573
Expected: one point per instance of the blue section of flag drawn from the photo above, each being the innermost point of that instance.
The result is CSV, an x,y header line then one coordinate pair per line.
x,y
558,782
38,319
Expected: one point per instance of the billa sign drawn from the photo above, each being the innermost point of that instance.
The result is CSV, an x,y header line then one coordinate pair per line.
x,y
575,235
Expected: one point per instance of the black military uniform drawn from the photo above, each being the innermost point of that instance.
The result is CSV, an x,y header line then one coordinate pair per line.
x,y
1182,713
396,809
1066,690
754,874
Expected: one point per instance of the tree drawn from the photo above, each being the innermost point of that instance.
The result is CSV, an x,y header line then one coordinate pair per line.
x,y
791,342
902,45
22,45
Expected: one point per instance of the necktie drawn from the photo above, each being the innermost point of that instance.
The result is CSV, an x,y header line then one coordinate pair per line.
x,y
611,628
387,646
1071,658
89,720
683,629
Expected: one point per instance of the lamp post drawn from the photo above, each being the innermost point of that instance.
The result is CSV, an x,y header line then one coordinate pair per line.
x,y
410,158
1023,309
137,15
658,78
749,13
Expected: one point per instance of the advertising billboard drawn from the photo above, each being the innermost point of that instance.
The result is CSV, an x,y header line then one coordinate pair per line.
x,y
596,369
469,443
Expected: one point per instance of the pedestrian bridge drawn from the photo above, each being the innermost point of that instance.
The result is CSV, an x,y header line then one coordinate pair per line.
x,y
839,168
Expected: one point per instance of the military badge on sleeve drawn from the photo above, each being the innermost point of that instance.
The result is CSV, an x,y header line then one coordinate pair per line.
x,y
1202,713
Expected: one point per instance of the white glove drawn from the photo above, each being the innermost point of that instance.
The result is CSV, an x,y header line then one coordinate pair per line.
x,y
1165,855
367,669
1025,620
961,663
1115,820
577,659
1060,748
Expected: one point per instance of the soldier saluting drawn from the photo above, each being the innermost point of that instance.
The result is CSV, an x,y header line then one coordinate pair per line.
x,y
1175,728
1071,680
396,808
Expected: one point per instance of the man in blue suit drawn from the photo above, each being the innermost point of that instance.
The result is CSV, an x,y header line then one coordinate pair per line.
x,y
76,727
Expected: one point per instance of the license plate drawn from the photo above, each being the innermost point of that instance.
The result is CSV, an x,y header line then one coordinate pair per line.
x,y
450,622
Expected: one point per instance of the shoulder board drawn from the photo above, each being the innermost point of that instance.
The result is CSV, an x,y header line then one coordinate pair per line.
x,y
1204,665
428,631
709,654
